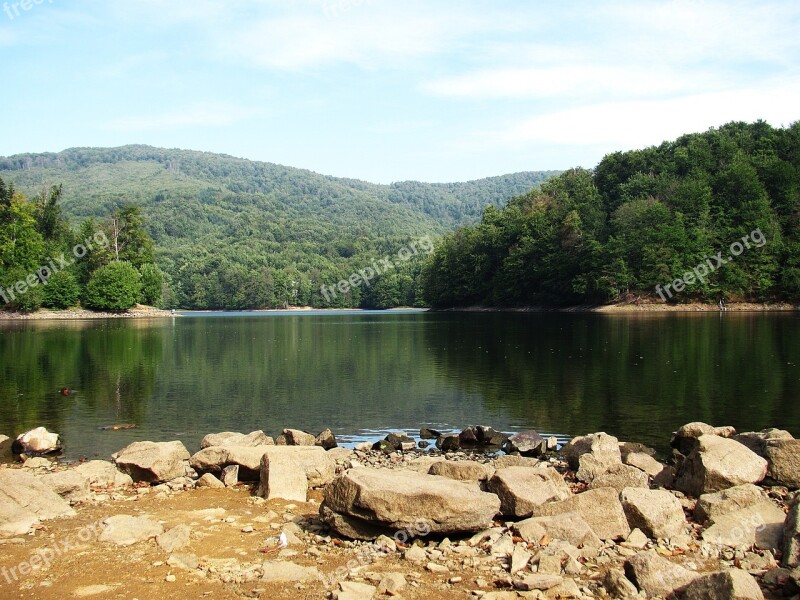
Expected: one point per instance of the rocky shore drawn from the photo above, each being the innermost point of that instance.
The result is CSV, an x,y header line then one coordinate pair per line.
x,y
137,312
298,517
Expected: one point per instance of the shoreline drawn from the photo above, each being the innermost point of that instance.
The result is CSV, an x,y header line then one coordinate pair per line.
x,y
627,308
146,312
80,314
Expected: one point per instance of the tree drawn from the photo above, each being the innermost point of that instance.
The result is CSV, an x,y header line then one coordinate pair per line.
x,y
129,240
116,286
61,291
152,282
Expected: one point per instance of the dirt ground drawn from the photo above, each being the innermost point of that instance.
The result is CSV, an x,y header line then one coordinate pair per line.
x,y
94,569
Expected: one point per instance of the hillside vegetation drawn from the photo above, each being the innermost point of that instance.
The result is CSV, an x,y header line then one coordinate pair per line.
x,y
233,233
710,216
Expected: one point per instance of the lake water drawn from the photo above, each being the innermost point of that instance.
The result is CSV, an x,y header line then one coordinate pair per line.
x,y
364,374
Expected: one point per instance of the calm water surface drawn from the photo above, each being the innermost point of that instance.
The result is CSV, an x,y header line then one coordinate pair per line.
x,y
362,374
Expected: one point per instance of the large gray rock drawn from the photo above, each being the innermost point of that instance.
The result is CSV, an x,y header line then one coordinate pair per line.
x,y
657,576
295,437
718,463
522,489
620,477
527,443
658,513
363,500
791,535
288,471
215,458
462,470
685,439
569,527
125,530
783,459
36,441
25,501
592,455
713,506
153,462
69,484
600,508
733,584
278,571
176,538
102,473
760,525
756,440
232,438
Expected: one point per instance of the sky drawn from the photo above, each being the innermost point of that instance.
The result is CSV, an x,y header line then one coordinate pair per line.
x,y
391,90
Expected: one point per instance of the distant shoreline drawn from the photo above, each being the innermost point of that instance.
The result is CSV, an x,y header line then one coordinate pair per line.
x,y
628,308
147,312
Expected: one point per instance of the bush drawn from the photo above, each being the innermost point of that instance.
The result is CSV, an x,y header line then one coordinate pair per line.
x,y
152,281
116,286
62,291
28,301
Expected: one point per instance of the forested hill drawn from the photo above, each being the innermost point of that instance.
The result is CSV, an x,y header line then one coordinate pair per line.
x,y
234,233
709,216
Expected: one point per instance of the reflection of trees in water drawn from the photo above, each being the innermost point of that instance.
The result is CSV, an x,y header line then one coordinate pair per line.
x,y
112,364
642,377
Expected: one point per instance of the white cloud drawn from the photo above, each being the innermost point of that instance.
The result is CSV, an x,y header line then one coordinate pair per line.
x,y
643,123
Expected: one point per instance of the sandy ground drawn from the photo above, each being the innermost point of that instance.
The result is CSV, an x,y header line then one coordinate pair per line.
x,y
94,569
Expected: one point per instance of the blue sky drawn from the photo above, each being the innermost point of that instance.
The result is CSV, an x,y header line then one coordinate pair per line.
x,y
384,90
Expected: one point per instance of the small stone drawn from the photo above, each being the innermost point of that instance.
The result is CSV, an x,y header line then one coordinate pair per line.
x,y
170,579
436,568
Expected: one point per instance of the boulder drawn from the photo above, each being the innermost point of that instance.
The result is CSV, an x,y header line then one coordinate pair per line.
x,y
620,477
569,527
791,535
395,442
467,438
429,434
760,525
592,455
295,437
527,443
658,513
230,476
5,446
685,439
231,438
733,584
288,471
488,436
716,464
619,586
657,576
153,462
69,484
756,440
628,448
125,530
600,508
176,538
36,441
366,499
326,440
713,506
644,462
463,470
783,460
209,481
522,489
25,501
102,473
216,458
448,443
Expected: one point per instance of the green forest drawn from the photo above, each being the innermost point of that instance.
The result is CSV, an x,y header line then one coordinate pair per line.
x,y
238,234
638,220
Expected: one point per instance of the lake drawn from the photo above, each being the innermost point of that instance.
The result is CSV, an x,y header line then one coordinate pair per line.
x,y
365,373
